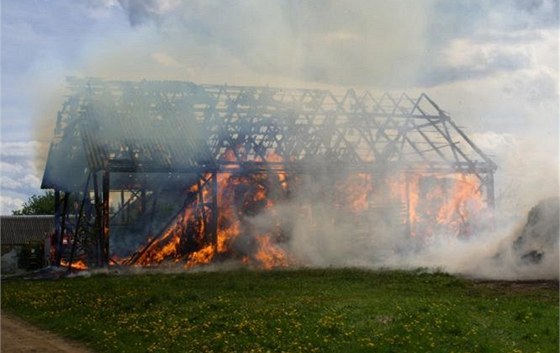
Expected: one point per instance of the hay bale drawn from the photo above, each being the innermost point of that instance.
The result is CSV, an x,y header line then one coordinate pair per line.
x,y
539,237
10,261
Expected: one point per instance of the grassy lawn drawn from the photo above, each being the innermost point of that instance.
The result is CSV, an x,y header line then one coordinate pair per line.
x,y
291,311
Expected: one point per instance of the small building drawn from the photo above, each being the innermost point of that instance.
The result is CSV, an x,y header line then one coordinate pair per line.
x,y
25,241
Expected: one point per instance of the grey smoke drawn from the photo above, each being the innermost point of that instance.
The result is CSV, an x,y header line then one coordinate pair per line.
x,y
397,43
526,248
143,11
332,43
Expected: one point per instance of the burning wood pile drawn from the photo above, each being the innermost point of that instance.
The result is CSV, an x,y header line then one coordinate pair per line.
x,y
151,173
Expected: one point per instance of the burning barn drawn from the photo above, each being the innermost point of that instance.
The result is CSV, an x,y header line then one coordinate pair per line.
x,y
153,172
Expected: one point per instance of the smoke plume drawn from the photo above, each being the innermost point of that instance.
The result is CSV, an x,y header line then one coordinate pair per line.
x,y
492,65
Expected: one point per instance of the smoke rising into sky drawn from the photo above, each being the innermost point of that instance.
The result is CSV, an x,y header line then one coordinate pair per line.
x,y
492,65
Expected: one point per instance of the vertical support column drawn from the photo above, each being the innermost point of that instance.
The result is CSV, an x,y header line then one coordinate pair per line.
x,y
490,196
407,192
123,219
98,223
200,207
85,198
60,240
214,226
143,200
57,234
105,218
155,196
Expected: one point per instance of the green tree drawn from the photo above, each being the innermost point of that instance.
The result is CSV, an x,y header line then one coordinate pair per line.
x,y
37,205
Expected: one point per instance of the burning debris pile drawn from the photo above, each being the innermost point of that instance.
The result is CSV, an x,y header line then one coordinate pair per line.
x,y
152,173
240,197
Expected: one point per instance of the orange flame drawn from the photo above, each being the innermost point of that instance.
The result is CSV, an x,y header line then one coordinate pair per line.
x,y
203,256
239,198
437,204
76,265
433,204
269,255
464,202
354,190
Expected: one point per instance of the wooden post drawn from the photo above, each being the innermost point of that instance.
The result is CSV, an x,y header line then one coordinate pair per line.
x,y
143,200
85,198
214,228
490,196
98,223
123,219
57,235
105,222
60,240
407,192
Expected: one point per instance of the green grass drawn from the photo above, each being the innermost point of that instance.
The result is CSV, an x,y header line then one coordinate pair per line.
x,y
290,311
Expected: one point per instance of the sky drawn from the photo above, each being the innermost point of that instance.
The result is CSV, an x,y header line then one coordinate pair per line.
x,y
492,65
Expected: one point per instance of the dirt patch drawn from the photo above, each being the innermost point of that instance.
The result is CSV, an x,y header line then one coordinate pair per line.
x,y
19,336
518,286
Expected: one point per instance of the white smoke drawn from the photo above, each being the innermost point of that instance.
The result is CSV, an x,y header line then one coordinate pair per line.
x,y
369,44
492,65
510,247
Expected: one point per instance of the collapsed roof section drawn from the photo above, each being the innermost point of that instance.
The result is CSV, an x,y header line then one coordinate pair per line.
x,y
182,127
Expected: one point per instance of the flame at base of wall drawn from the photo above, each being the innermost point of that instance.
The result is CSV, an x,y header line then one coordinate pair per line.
x,y
258,214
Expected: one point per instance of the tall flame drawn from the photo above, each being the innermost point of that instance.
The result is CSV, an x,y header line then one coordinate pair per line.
x,y
239,197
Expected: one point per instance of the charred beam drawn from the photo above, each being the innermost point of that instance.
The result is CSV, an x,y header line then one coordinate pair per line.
x,y
85,198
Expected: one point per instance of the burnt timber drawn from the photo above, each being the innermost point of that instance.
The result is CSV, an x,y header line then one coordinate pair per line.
x,y
120,147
